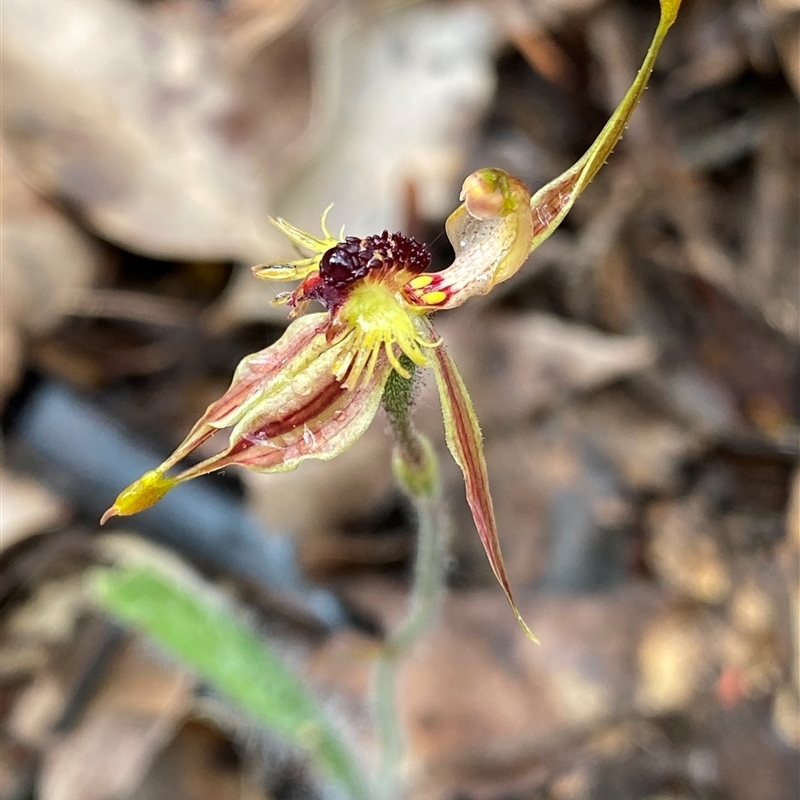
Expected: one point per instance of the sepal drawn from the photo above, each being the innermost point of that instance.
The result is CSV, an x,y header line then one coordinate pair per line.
x,y
552,202
140,495
464,440
285,404
499,224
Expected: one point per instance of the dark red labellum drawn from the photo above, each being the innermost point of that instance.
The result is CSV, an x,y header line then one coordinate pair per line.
x,y
354,258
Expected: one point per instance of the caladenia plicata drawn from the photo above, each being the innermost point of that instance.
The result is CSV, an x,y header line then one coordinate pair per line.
x,y
317,389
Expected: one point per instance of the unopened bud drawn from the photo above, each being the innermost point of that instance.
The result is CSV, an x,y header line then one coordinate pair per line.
x,y
418,476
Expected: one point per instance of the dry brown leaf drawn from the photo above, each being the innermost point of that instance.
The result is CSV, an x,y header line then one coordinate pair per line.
x,y
125,726
15,770
782,15
37,710
199,764
477,702
684,553
400,95
11,362
248,25
125,117
26,508
676,661
561,511
786,716
649,451
46,620
549,14
46,260
790,563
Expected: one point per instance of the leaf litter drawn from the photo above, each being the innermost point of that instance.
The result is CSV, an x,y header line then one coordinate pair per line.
x,y
643,457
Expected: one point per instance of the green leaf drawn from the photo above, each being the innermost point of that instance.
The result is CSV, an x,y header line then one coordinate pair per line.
x,y
230,655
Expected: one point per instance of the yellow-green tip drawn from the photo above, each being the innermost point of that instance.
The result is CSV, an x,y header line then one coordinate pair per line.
x,y
140,495
669,11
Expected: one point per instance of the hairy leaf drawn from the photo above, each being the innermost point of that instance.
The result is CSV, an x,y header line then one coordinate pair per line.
x,y
224,651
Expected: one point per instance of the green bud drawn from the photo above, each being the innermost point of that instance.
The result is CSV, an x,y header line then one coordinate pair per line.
x,y
418,475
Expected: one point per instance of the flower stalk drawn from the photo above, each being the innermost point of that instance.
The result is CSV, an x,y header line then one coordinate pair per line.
x,y
417,471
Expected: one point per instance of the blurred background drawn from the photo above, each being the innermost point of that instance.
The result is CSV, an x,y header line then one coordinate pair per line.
x,y
637,384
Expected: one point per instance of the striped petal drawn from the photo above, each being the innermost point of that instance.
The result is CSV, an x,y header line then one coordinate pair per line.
x,y
314,416
285,404
464,440
258,376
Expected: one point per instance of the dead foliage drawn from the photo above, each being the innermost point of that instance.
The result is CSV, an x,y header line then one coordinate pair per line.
x,y
637,383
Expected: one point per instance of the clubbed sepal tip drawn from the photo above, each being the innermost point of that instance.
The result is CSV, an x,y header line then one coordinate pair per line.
x,y
140,495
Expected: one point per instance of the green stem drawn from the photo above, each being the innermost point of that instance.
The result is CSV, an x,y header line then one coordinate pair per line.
x,y
427,591
417,471
429,569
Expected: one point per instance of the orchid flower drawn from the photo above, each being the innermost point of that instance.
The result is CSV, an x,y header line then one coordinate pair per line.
x,y
317,389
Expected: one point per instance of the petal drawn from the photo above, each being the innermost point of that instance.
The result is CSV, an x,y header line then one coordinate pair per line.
x,y
301,267
257,376
306,240
464,440
285,405
312,416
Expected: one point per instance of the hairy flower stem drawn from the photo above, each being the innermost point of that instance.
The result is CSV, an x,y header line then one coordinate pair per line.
x,y
417,472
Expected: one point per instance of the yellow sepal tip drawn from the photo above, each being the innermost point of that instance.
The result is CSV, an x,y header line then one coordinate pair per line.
x,y
140,495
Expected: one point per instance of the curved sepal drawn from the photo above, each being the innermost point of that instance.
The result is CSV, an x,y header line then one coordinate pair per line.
x,y
285,405
314,416
498,224
464,440
552,202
